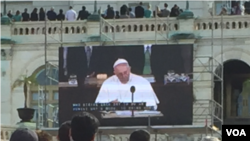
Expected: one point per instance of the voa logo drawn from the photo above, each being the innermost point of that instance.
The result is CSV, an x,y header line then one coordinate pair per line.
x,y
236,132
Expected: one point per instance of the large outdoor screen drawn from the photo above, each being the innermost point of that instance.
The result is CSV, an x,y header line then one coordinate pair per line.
x,y
127,85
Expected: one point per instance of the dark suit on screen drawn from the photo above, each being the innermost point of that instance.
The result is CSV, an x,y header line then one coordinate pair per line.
x,y
107,55
139,11
135,57
77,63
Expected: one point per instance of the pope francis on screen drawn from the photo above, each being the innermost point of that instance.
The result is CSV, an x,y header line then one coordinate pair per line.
x,y
116,88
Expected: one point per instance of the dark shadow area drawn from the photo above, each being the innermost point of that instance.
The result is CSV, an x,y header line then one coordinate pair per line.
x,y
236,72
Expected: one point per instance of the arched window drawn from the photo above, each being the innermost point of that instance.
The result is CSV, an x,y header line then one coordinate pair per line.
x,y
49,78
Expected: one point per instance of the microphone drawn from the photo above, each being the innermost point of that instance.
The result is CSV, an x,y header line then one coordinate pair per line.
x,y
132,90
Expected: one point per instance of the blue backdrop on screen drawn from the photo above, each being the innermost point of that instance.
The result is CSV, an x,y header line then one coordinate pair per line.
x,y
176,99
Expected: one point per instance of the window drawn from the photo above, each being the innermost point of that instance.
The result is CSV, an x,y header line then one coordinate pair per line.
x,y
55,95
51,96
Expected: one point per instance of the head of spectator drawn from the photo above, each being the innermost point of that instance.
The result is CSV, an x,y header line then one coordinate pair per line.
x,y
41,10
70,7
43,136
140,135
9,12
24,134
35,10
84,127
25,10
61,11
165,5
52,8
17,12
83,8
63,132
141,3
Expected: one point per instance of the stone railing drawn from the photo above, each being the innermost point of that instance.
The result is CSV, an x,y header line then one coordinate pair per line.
x,y
129,29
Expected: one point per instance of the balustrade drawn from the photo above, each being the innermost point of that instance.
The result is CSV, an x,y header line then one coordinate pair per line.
x,y
128,25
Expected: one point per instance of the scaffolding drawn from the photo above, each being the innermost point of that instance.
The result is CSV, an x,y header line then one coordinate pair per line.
x,y
48,112
208,64
208,112
41,96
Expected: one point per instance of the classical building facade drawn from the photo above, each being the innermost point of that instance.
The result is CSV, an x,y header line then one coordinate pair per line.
x,y
214,47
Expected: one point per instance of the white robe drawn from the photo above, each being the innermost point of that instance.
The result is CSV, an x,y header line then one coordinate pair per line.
x,y
113,89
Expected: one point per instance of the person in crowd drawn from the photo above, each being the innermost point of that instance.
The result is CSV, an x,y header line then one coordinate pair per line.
x,y
43,136
83,14
117,15
51,14
23,134
71,14
60,16
106,11
1,15
139,11
110,13
158,12
17,17
139,135
10,14
63,132
148,12
41,14
116,88
165,12
84,126
131,13
174,11
223,11
34,15
124,12
25,15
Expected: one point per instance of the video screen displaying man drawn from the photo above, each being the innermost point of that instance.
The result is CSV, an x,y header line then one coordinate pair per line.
x,y
116,89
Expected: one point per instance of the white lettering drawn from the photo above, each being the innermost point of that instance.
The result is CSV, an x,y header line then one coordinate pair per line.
x,y
236,132
242,132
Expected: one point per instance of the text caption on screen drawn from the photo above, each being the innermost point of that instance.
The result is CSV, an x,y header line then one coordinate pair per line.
x,y
235,131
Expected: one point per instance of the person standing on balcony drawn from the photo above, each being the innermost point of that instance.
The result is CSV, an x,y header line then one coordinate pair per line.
x,y
41,14
148,12
17,17
51,14
26,15
124,12
83,14
71,14
165,12
131,13
110,13
60,16
174,11
10,14
139,11
34,15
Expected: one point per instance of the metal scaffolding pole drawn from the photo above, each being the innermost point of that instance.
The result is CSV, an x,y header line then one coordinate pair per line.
x,y
48,66
45,61
212,70
222,70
